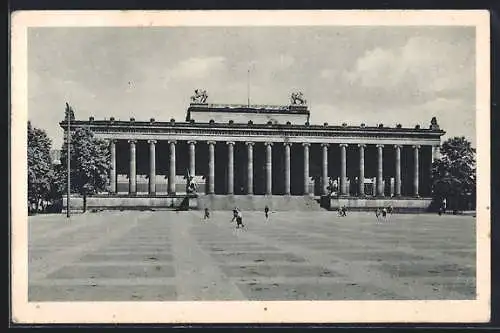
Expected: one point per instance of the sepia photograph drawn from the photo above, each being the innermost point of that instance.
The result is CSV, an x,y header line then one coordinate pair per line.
x,y
250,166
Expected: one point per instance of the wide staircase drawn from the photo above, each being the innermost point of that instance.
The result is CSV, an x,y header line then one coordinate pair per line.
x,y
258,202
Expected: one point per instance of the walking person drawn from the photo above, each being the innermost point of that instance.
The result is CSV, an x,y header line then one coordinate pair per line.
x,y
235,214
239,219
266,212
207,214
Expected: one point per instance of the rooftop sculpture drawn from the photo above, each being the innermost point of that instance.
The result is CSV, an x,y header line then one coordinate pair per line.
x,y
199,97
297,98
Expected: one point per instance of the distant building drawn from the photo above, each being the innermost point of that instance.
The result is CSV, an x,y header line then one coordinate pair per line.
x,y
263,150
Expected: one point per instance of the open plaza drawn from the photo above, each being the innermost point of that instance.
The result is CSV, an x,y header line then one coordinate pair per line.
x,y
293,255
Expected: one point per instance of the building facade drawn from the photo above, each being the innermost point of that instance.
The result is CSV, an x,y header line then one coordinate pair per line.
x,y
263,150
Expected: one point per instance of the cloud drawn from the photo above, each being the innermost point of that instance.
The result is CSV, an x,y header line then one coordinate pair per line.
x,y
197,68
422,65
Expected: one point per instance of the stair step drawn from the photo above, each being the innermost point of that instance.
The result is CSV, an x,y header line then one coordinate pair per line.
x,y
276,203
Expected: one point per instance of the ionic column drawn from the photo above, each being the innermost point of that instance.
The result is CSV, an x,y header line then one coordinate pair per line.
x,y
112,171
434,156
250,167
306,167
230,168
361,169
415,170
152,166
132,178
269,168
287,167
343,169
380,172
192,158
211,167
324,178
397,177
171,174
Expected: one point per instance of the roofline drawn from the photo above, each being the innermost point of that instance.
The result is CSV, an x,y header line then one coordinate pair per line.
x,y
325,127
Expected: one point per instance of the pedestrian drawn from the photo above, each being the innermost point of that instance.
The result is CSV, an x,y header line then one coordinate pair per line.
x,y
239,219
207,214
235,214
344,211
266,211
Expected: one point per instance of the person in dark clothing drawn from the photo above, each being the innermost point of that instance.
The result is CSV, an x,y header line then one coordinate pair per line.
x,y
235,214
266,211
207,214
239,220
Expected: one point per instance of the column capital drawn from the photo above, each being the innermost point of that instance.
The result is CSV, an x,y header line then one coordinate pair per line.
x,y
230,143
191,142
361,145
111,141
268,143
325,145
210,142
343,145
306,144
398,146
287,144
152,142
250,143
416,146
132,141
172,141
380,146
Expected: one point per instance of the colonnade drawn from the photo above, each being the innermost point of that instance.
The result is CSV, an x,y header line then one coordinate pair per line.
x,y
344,191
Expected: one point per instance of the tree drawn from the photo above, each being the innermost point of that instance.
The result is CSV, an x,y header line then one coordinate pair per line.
x,y
454,174
90,161
39,165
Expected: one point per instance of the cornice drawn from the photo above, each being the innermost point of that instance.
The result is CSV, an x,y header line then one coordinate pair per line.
x,y
104,126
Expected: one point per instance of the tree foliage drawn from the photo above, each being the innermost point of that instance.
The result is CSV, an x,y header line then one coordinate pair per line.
x,y
454,174
90,161
40,173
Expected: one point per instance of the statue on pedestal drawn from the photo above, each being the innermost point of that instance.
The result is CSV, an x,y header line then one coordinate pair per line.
x,y
199,97
434,124
297,98
191,187
332,187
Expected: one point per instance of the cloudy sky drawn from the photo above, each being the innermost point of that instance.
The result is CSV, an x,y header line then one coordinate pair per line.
x,y
373,75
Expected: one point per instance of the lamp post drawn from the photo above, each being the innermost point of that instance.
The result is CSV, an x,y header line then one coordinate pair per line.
x,y
68,138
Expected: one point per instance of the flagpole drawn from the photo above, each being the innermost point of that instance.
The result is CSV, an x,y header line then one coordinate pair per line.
x,y
248,87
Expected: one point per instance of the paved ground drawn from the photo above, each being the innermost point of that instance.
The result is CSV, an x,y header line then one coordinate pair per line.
x,y
163,256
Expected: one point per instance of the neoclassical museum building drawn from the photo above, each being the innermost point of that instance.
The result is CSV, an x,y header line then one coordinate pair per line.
x,y
257,155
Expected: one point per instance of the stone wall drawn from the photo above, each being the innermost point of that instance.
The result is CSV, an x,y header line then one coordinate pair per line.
x,y
398,204
257,118
128,202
